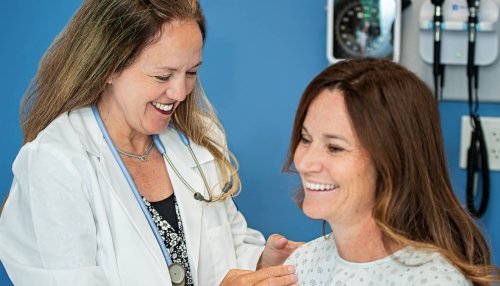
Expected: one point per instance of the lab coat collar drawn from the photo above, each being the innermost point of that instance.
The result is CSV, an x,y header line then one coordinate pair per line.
x,y
191,210
84,123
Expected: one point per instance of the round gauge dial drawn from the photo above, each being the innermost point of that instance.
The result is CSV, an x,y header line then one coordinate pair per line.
x,y
361,30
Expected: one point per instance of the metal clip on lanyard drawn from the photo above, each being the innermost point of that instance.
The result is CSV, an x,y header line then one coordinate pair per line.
x,y
176,271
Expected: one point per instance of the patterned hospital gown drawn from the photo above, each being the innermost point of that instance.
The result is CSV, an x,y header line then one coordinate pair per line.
x,y
318,263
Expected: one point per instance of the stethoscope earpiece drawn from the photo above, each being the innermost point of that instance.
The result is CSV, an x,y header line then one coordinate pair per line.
x,y
227,186
198,196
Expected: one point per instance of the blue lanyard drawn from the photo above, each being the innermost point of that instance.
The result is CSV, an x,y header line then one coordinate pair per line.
x,y
159,146
132,185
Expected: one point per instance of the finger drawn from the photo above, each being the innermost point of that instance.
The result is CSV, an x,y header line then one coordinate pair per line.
x,y
271,272
287,280
233,275
294,244
281,281
298,244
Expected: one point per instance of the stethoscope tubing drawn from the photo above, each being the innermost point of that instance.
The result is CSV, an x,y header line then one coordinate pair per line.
x,y
159,145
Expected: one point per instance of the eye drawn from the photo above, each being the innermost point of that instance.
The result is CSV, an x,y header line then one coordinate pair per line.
x,y
334,149
192,74
163,78
304,140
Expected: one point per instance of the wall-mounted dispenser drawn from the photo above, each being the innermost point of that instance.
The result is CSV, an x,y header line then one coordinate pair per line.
x,y
454,32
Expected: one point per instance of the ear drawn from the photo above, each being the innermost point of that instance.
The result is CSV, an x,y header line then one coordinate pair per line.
x,y
111,78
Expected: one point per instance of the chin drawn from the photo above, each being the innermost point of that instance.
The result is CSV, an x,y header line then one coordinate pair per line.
x,y
157,128
313,210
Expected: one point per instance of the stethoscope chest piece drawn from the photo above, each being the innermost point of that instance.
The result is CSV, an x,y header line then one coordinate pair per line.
x,y
177,274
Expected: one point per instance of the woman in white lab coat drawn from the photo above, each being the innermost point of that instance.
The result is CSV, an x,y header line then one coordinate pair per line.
x,y
121,72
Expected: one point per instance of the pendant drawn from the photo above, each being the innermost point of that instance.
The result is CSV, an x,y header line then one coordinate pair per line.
x,y
177,274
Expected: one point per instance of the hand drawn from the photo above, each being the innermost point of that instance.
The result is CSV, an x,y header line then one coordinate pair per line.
x,y
277,250
275,276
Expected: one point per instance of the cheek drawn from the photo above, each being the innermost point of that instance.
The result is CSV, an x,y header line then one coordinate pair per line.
x,y
128,93
190,84
297,158
367,180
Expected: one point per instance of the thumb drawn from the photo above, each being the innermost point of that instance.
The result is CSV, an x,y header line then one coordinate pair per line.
x,y
277,241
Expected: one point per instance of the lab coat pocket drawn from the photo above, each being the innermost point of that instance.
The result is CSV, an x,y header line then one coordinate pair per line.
x,y
222,248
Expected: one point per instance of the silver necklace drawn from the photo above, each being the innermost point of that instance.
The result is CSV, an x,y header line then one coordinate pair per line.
x,y
142,157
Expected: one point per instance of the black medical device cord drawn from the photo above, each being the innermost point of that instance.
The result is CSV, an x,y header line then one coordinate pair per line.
x,y
477,154
438,67
405,4
477,164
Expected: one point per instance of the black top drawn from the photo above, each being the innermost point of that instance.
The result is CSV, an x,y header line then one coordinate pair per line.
x,y
166,208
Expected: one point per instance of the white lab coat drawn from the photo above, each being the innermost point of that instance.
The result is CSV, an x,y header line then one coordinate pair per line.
x,y
71,218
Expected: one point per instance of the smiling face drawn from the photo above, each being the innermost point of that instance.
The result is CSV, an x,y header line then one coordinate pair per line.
x,y
338,175
142,98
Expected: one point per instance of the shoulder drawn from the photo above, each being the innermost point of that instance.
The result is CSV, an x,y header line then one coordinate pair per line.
x,y
57,134
315,262
59,130
68,129
54,169
54,146
321,249
432,268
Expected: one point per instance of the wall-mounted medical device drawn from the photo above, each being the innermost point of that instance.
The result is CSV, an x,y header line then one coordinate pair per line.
x,y
363,28
454,35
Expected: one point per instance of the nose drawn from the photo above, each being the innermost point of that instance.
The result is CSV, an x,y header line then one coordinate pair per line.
x,y
178,89
308,159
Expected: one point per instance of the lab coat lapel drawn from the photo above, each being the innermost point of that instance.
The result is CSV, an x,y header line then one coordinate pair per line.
x,y
191,210
106,165
123,194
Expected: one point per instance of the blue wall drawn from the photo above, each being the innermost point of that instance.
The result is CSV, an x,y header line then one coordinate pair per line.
x,y
258,58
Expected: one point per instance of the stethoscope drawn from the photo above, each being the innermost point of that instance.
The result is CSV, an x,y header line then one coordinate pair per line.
x,y
176,271
197,195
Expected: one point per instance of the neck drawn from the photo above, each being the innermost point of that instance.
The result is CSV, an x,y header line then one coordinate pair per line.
x,y
124,137
135,144
359,241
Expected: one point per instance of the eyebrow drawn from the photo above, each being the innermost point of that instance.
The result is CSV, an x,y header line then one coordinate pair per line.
x,y
174,69
337,137
331,136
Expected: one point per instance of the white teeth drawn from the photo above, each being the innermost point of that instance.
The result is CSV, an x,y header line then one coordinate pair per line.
x,y
319,187
164,107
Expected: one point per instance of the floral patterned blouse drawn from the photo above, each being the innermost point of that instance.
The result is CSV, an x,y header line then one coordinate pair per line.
x,y
167,218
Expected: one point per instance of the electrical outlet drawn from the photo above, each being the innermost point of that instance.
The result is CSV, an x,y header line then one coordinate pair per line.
x,y
491,130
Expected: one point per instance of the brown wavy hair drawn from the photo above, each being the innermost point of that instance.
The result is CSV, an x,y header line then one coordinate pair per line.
x,y
397,121
103,38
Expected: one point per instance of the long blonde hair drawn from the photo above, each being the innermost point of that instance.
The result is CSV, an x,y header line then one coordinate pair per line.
x,y
103,38
397,121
